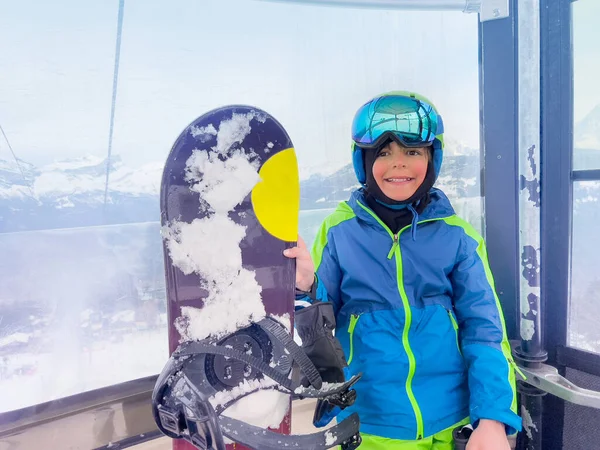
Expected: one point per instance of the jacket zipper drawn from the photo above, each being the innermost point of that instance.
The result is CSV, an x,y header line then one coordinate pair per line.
x,y
513,364
353,321
455,326
396,251
412,364
394,245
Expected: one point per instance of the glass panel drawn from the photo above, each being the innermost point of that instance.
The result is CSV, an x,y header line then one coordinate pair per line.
x,y
586,66
82,308
584,313
82,288
585,281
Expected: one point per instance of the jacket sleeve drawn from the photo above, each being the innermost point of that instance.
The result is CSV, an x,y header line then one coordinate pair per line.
x,y
483,338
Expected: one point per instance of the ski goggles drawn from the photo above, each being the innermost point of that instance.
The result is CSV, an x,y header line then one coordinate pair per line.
x,y
412,122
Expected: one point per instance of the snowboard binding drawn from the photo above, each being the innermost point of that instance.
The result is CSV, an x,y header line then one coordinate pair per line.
x,y
203,378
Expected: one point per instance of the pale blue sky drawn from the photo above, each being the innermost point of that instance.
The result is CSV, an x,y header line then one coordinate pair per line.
x,y
586,57
309,66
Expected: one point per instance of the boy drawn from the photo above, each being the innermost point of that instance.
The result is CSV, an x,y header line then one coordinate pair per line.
x,y
412,293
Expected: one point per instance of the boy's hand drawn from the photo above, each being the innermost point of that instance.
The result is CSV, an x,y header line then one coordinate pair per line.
x,y
305,269
489,435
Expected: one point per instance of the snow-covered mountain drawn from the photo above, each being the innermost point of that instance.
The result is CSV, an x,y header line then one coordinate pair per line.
x,y
71,193
144,180
16,179
454,147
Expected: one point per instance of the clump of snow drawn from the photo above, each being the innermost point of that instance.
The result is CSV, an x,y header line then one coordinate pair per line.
x,y
298,339
330,438
269,147
284,320
325,387
265,408
208,247
223,397
222,184
203,133
227,308
235,130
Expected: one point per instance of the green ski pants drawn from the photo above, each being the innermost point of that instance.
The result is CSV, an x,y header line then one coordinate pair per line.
x,y
439,441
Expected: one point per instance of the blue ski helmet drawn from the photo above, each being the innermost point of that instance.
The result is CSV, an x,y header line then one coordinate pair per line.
x,y
405,117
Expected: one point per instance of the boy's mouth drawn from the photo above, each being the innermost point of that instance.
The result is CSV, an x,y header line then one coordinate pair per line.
x,y
399,179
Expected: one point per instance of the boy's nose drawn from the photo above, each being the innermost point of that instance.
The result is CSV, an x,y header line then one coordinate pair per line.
x,y
399,161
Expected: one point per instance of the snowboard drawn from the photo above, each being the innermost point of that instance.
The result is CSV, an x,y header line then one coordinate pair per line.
x,y
229,204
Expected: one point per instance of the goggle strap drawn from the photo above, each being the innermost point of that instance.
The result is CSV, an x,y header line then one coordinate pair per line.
x,y
395,137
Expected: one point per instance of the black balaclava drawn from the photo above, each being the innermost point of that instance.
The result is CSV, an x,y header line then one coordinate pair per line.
x,y
396,214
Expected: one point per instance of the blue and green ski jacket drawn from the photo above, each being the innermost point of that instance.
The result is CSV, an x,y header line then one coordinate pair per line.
x,y
419,317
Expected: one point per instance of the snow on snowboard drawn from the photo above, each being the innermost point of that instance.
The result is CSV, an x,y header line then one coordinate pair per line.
x,y
229,207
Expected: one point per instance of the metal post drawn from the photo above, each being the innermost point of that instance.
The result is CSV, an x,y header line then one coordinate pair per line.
x,y
498,93
487,9
434,5
530,353
557,151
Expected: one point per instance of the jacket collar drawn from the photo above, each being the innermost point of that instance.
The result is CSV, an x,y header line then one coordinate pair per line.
x,y
439,207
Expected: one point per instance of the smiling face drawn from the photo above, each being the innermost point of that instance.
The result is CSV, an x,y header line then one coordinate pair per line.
x,y
399,171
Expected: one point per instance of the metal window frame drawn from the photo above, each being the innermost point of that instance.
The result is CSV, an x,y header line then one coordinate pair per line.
x,y
577,359
557,180
558,176
499,137
585,175
114,417
557,204
498,91
487,9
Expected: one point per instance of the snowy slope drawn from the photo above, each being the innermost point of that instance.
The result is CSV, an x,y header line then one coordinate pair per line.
x,y
70,193
85,175
15,179
88,175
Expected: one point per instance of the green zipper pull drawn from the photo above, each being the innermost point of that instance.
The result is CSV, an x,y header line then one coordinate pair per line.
x,y
394,246
453,320
517,369
455,326
353,320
